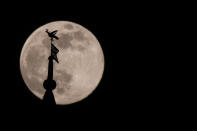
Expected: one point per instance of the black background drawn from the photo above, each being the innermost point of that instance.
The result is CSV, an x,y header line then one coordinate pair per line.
x,y
19,104
132,89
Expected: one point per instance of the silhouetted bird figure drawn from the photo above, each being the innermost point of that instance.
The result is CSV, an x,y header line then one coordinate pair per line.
x,y
52,34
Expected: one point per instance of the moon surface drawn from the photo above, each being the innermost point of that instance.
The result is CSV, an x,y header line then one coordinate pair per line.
x,y
80,67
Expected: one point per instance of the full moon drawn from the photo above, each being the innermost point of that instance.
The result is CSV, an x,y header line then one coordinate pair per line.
x,y
80,67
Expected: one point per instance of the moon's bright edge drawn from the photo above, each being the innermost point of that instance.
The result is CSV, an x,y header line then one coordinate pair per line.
x,y
80,67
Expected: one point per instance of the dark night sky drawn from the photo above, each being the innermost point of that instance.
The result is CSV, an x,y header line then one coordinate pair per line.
x,y
131,86
19,24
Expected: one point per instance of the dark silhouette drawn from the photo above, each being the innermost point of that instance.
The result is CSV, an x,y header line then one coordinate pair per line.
x,y
52,34
50,84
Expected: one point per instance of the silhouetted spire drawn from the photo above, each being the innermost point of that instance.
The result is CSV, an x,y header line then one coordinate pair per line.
x,y
50,84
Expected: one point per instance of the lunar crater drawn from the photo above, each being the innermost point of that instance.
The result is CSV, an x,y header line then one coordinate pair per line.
x,y
64,41
63,80
78,35
35,85
34,60
68,26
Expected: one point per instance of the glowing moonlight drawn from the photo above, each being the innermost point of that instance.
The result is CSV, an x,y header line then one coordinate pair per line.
x,y
80,67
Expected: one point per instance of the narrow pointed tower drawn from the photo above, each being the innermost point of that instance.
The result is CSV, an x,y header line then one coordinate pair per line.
x,y
50,84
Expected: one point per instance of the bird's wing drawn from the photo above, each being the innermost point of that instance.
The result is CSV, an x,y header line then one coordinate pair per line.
x,y
54,32
55,37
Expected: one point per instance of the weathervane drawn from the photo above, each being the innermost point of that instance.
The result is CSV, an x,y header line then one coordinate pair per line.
x,y
50,84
